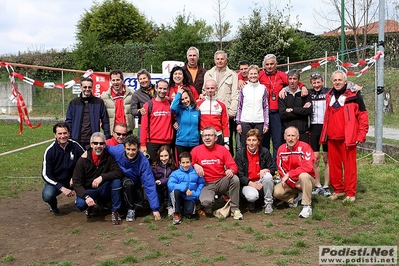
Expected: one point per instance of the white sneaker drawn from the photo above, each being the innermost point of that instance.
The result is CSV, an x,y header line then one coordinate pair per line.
x,y
297,199
170,211
306,211
268,208
237,215
131,215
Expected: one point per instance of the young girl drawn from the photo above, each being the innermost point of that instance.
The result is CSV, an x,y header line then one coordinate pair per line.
x,y
163,166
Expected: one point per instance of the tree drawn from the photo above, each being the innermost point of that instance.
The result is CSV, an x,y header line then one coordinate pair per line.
x,y
172,42
357,13
89,53
264,34
116,22
112,22
221,28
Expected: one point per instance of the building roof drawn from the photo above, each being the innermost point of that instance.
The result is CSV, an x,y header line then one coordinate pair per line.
x,y
372,28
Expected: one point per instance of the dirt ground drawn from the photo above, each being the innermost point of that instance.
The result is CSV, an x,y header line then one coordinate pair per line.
x,y
35,237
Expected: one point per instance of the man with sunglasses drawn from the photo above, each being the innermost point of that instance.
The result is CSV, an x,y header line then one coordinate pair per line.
x,y
118,135
97,177
85,114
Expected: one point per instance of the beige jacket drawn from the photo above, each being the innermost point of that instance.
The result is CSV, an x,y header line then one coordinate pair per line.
x,y
110,105
227,89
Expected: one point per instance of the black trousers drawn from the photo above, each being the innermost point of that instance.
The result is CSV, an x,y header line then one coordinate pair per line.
x,y
180,204
132,194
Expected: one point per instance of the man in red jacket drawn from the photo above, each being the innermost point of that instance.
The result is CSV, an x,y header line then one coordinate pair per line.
x,y
215,164
345,125
295,160
274,81
214,113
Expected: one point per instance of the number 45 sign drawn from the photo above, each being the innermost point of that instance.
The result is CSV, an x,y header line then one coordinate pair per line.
x,y
167,66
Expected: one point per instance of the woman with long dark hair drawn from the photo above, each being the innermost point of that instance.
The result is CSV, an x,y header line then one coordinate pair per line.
x,y
179,79
188,118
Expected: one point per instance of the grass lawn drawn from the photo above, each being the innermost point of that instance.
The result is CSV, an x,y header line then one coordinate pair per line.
x,y
373,220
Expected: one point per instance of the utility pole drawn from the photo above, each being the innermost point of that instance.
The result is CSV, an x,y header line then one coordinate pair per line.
x,y
342,29
379,156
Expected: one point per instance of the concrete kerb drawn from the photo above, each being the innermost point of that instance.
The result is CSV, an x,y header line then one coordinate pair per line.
x,y
391,150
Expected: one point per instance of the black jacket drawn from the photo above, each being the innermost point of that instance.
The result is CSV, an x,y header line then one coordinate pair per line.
x,y
86,171
265,159
299,117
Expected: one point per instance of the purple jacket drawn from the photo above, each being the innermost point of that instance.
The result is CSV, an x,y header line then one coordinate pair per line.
x,y
162,172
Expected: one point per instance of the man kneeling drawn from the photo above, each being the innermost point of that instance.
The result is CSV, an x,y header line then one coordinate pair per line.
x,y
295,160
97,176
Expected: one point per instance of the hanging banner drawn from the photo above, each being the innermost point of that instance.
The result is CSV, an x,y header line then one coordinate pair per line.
x,y
101,84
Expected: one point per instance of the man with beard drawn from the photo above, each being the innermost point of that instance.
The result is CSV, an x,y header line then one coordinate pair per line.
x,y
156,124
137,175
97,176
86,113
117,100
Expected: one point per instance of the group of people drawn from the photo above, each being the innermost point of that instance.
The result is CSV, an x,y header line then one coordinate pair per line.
x,y
194,119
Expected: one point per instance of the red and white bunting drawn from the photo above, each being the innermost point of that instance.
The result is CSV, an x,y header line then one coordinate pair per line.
x,y
369,62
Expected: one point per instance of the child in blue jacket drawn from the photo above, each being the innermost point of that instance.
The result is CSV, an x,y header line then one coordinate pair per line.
x,y
185,188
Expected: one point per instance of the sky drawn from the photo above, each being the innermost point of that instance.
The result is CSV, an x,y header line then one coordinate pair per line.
x,y
41,25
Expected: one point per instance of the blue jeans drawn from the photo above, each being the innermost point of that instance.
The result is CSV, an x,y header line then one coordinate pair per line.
x,y
275,131
109,189
49,195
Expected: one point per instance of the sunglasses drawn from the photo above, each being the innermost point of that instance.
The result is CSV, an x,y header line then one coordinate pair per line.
x,y
87,87
315,75
98,143
121,134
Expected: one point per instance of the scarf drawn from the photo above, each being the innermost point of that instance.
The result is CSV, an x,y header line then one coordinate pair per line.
x,y
96,158
148,90
337,98
119,106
